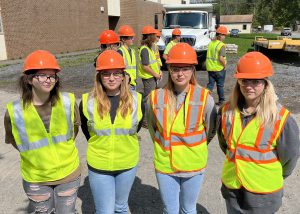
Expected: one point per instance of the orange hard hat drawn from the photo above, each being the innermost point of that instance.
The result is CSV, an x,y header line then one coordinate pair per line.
x,y
110,59
157,33
222,30
108,37
253,65
176,32
182,53
148,30
126,30
40,59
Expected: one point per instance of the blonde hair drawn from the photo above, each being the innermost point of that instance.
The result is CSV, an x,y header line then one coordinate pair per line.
x,y
171,92
103,102
266,109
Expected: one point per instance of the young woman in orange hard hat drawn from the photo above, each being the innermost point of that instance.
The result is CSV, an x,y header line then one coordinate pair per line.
x,y
111,117
181,122
260,139
127,34
42,126
148,68
108,40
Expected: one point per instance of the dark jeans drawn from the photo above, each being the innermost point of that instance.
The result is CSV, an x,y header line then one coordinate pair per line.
x,y
219,78
149,85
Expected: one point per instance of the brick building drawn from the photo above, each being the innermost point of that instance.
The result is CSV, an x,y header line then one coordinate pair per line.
x,y
62,26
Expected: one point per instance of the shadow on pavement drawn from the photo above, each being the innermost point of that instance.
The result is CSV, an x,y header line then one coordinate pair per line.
x,y
85,194
146,199
143,199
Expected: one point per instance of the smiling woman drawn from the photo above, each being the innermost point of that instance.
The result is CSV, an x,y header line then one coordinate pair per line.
x,y
42,126
111,117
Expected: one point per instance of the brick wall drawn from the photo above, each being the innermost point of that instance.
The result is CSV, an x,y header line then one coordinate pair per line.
x,y
55,25
62,26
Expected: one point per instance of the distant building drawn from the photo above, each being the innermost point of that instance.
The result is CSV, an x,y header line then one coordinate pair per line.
x,y
241,22
66,26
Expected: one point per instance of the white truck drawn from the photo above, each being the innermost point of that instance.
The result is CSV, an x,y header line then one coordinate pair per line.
x,y
196,22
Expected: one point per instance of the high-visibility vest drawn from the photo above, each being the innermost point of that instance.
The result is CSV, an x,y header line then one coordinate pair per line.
x,y
130,63
169,46
157,54
251,156
180,142
152,63
112,146
212,58
45,156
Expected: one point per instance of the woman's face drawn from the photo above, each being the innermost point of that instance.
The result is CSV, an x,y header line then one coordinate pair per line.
x,y
112,79
181,74
43,81
252,89
128,40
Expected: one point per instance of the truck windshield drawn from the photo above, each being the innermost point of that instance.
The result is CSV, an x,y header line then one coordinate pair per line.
x,y
189,20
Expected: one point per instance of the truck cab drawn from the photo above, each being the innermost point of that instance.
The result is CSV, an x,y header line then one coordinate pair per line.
x,y
196,24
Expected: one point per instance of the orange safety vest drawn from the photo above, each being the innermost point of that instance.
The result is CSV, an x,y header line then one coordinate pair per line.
x,y
180,143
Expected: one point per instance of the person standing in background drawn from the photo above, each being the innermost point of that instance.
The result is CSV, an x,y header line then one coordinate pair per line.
x,y
216,63
127,34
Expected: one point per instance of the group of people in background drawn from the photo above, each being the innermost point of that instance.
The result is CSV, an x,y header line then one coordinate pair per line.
x,y
259,137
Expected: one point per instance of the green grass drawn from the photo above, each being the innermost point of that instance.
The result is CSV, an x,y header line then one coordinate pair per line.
x,y
77,60
245,41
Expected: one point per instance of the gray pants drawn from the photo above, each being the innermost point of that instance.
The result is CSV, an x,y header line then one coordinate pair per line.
x,y
58,199
241,201
149,85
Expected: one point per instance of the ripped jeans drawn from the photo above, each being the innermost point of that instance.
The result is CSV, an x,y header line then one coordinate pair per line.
x,y
58,199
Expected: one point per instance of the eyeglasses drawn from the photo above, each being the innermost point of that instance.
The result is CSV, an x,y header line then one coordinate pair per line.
x,y
116,75
184,70
252,82
44,77
158,37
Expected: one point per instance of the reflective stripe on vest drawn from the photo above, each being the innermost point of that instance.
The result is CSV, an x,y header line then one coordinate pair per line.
x,y
118,131
130,63
153,64
212,57
20,125
246,157
192,135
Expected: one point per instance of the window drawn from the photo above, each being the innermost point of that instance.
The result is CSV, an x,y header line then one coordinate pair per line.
x,y
244,27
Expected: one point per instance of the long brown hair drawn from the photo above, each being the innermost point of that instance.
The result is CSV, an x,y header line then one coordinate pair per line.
x,y
103,102
25,89
148,40
171,91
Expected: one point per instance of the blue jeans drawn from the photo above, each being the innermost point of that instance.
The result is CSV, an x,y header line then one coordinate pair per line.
x,y
59,199
179,192
111,192
219,78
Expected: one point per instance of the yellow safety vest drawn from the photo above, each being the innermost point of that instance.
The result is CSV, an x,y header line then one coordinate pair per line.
x,y
251,156
212,58
169,46
157,54
130,63
45,156
180,143
112,146
152,63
